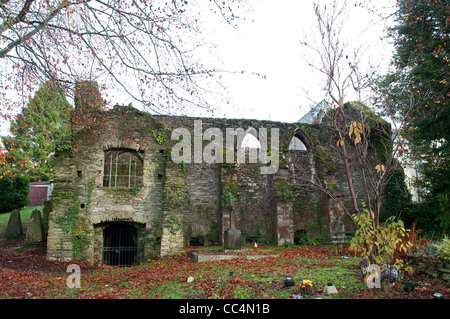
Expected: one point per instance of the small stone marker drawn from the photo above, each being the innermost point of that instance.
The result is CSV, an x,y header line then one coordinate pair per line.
x,y
14,228
35,233
330,289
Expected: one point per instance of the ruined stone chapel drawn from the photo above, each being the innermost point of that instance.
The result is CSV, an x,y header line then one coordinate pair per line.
x,y
119,196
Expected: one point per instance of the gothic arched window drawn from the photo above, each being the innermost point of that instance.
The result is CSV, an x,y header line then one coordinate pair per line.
x,y
296,144
248,147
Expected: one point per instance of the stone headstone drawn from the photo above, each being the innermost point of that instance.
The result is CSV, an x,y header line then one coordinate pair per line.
x,y
232,239
339,227
14,228
35,232
339,237
330,289
48,207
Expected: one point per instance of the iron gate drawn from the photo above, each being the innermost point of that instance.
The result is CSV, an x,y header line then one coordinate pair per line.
x,y
120,245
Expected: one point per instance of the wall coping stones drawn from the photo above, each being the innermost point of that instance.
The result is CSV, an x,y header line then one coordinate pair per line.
x,y
198,257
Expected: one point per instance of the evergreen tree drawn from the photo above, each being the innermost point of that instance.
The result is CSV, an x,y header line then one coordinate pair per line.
x,y
37,131
13,192
422,79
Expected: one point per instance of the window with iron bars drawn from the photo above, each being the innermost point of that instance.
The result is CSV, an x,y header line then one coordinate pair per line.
x,y
123,168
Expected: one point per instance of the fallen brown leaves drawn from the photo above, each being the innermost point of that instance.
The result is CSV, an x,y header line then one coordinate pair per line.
x,y
27,274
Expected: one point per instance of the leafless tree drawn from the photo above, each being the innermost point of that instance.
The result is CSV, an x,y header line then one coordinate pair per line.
x,y
145,47
360,142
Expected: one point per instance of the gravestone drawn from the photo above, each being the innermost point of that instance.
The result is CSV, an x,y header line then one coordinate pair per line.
x,y
338,235
35,233
232,238
14,228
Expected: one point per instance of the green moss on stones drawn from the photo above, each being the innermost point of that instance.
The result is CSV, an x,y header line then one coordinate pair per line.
x,y
230,192
283,189
326,159
175,195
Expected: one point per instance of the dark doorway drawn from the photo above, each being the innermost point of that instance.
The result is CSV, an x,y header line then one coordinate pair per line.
x,y
197,241
120,245
300,237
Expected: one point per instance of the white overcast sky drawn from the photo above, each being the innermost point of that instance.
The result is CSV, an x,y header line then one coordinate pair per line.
x,y
267,42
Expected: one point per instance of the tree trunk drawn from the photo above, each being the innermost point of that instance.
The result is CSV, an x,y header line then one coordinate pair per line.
x,y
346,163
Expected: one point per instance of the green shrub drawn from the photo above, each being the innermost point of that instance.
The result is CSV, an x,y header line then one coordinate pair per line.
x,y
378,244
13,192
397,199
444,248
425,250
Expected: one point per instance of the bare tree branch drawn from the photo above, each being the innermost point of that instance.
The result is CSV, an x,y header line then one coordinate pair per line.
x,y
360,159
145,48
21,39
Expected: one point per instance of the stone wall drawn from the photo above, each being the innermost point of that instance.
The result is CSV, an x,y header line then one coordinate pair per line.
x,y
180,202
440,270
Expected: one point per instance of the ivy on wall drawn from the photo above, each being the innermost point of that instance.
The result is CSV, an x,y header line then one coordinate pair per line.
x,y
173,224
70,222
175,195
283,189
230,192
159,134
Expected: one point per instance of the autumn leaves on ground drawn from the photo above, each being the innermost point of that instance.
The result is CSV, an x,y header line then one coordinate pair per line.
x,y
27,274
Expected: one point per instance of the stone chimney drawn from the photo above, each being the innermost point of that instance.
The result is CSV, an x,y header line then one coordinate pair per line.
x,y
88,106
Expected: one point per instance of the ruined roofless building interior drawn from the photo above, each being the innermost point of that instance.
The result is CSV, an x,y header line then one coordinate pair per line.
x,y
117,185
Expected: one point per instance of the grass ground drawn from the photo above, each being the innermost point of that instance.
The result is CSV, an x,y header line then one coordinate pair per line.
x,y
25,215
27,274
263,278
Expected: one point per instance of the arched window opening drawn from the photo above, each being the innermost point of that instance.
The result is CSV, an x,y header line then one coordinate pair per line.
x,y
296,145
250,141
248,147
299,142
298,155
123,168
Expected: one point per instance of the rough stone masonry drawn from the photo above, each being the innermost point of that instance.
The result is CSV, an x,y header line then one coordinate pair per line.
x,y
117,169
